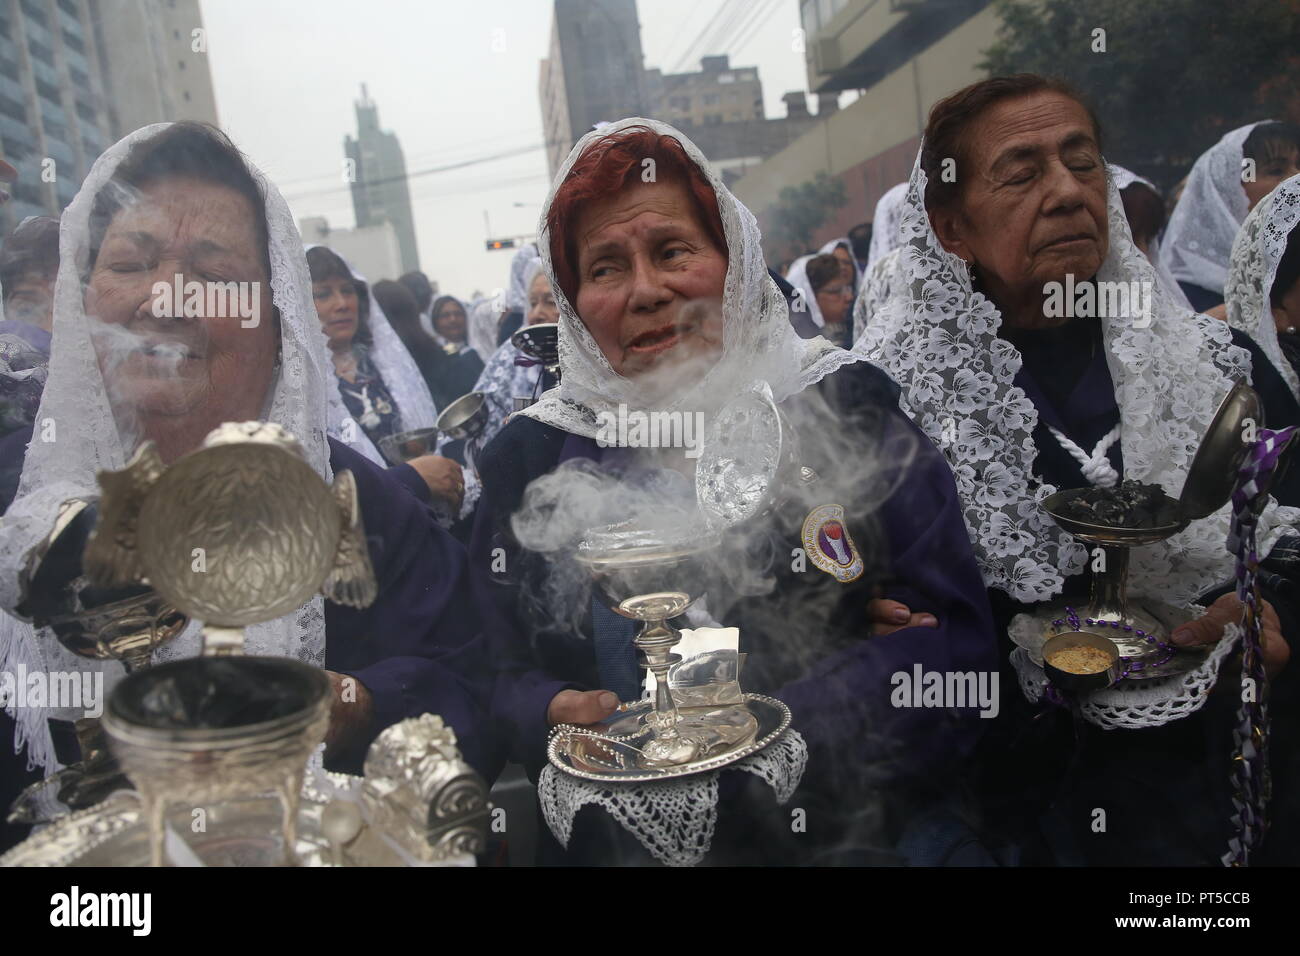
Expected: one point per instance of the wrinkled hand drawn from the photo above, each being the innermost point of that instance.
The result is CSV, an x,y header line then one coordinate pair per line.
x,y
444,477
351,711
1208,628
889,616
581,707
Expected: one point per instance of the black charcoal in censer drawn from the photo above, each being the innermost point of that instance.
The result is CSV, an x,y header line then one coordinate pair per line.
x,y
1135,514
1131,505
541,343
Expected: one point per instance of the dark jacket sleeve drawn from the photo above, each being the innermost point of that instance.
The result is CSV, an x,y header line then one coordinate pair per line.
x,y
521,691
417,647
858,703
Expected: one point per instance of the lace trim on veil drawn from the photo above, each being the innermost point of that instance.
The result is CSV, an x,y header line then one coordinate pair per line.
x,y
937,337
305,400
1255,256
758,340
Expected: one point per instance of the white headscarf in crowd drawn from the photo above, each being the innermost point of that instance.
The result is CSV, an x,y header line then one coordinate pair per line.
x,y
303,398
517,294
503,379
828,249
437,336
884,226
758,341
1198,239
415,407
938,338
797,276
1124,178
1253,268
484,320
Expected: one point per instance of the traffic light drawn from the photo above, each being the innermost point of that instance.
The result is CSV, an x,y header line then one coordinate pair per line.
x,y
494,244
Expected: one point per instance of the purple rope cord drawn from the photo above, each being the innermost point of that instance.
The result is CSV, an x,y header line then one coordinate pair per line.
x,y
1251,783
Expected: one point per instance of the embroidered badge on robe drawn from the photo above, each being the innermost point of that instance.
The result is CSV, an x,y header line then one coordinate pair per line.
x,y
827,543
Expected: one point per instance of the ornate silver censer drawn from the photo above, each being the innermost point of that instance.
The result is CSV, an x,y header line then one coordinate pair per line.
x,y
653,574
644,575
1140,626
238,532
419,803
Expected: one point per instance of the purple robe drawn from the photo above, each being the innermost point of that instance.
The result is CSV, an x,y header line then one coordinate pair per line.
x,y
837,679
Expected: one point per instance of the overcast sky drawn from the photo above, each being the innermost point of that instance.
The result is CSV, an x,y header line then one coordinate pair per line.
x,y
288,72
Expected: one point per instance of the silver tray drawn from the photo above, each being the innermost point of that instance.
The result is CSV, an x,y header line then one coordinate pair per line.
x,y
1183,661
238,832
607,752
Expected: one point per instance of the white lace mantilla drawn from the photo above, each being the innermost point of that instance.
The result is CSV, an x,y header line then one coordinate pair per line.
x,y
1255,256
937,337
1131,705
759,343
1198,239
673,819
304,398
885,223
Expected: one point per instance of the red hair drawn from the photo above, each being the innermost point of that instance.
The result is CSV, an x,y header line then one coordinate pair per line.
x,y
605,167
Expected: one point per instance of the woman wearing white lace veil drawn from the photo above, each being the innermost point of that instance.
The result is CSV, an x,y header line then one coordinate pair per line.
x,y
810,323
1140,193
1225,183
380,383
484,315
514,313
180,200
884,225
1255,297
1022,401
509,374
415,407
665,305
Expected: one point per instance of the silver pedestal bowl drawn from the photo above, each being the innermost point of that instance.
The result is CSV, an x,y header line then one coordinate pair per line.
x,y
652,576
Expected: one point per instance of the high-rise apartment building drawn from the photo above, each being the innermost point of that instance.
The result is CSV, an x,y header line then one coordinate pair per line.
x,y
379,189
593,73
75,75
155,63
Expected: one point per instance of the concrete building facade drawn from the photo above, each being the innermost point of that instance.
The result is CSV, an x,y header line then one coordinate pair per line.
x,y
155,63
870,144
372,250
593,72
77,75
714,95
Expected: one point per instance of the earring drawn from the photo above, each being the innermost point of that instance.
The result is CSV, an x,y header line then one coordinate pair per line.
x,y
1290,330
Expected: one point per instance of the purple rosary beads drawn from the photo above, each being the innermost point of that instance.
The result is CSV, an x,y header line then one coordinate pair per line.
x,y
1131,665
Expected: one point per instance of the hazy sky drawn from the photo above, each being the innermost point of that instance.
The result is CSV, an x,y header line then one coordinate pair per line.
x,y
287,74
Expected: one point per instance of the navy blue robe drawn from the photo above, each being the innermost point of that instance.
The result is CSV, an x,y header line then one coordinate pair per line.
x,y
872,766
1164,790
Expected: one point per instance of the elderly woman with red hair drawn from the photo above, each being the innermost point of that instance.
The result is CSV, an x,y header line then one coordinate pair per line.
x,y
666,306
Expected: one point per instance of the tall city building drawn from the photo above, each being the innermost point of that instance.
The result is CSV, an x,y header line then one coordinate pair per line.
x,y
379,189
593,73
155,63
75,75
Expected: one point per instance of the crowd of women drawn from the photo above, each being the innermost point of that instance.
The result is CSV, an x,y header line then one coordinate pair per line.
x,y
935,398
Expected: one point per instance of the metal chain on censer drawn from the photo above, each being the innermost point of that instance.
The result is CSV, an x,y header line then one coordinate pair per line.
x,y
1251,782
